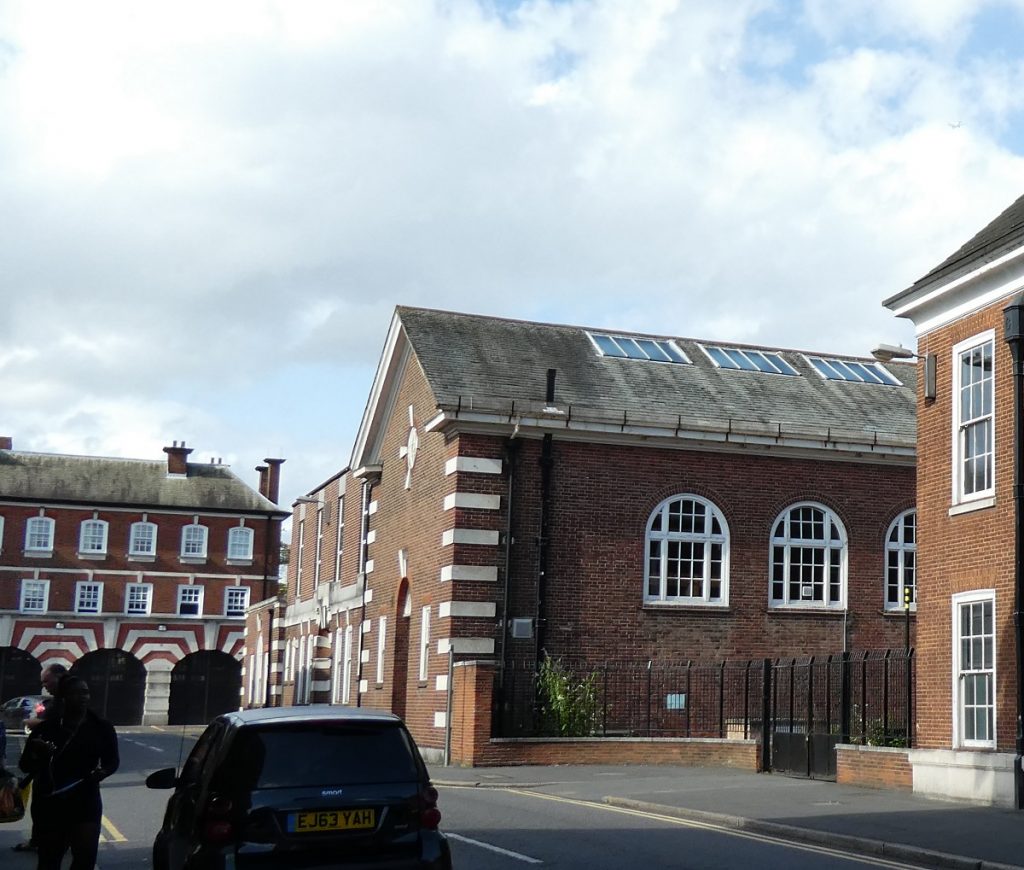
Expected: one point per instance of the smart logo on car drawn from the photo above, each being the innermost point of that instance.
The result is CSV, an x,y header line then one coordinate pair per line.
x,y
331,792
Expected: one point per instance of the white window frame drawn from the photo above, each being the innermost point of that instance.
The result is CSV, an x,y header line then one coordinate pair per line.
x,y
103,527
41,522
183,593
960,741
904,554
789,543
341,537
663,540
147,590
82,589
346,681
31,588
424,673
135,535
242,592
289,661
188,544
243,553
382,639
337,675
959,434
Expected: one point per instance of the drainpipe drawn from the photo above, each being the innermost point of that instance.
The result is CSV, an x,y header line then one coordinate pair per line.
x,y
545,511
1013,334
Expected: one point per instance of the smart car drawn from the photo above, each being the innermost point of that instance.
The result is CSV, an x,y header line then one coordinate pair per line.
x,y
16,711
314,787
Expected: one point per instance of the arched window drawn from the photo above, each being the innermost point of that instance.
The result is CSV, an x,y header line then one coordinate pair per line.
x,y
142,541
687,549
39,535
240,543
901,561
808,559
193,541
92,537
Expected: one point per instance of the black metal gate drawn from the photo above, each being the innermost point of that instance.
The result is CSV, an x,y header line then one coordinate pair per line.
x,y
19,673
117,684
819,702
203,685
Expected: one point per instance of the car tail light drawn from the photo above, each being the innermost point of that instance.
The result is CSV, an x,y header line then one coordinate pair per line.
x,y
430,815
40,709
217,826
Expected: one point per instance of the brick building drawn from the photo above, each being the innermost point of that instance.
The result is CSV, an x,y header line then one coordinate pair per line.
x,y
136,574
969,675
525,487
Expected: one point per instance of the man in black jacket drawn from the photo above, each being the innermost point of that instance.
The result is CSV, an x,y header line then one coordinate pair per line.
x,y
69,753
50,678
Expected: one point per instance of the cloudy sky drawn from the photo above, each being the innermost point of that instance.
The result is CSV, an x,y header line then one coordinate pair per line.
x,y
210,209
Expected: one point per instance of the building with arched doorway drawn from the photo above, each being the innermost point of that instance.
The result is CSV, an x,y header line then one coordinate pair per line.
x,y
135,574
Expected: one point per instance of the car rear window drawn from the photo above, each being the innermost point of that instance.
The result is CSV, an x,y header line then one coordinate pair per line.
x,y
319,754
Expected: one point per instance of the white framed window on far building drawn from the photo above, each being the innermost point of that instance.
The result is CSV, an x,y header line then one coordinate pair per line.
x,y
88,597
39,536
901,562
138,598
236,600
240,544
425,644
808,558
974,670
193,542
92,538
35,595
142,540
190,601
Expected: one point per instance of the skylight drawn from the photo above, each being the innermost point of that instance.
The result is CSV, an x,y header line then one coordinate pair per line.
x,y
749,360
850,370
635,347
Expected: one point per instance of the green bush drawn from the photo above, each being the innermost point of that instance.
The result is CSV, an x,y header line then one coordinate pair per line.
x,y
568,702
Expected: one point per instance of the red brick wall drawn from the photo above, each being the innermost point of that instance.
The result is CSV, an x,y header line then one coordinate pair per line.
x,y
602,497
965,552
874,767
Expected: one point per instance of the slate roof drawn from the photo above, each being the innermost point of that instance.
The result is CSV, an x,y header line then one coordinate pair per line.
x,y
1003,234
474,361
88,480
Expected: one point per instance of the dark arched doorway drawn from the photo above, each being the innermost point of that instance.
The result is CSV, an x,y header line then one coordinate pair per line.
x,y
203,685
400,674
117,684
19,673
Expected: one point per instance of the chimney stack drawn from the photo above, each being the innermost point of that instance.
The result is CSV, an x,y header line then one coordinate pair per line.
x,y
262,470
6,442
177,459
273,478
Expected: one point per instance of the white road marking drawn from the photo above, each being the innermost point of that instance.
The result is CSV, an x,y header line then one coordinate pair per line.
x,y
491,847
145,745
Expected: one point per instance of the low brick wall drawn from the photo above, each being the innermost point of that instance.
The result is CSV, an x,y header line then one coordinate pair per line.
x,y
874,767
694,752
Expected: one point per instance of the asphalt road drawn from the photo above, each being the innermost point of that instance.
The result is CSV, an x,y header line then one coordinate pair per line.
x,y
490,829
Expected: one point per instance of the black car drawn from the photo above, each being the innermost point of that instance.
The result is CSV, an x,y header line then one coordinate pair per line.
x,y
16,711
314,787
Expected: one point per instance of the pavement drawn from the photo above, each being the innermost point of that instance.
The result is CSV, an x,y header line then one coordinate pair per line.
x,y
888,823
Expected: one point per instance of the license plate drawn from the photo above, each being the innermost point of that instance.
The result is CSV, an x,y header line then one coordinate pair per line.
x,y
330,820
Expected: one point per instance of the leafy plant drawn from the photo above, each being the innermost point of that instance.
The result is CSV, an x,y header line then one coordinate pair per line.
x,y
568,702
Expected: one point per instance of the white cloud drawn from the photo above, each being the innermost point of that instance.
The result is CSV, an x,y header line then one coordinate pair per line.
x,y
210,210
